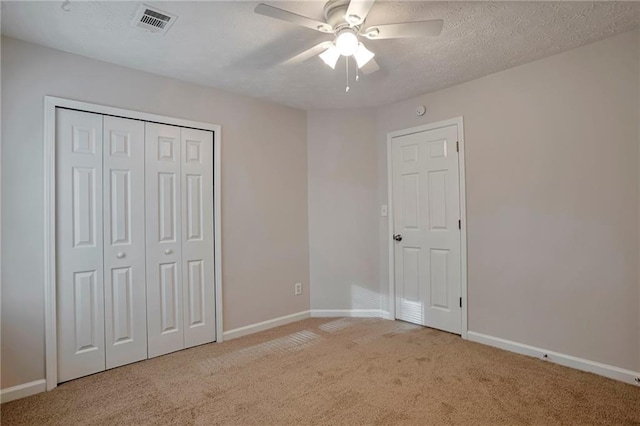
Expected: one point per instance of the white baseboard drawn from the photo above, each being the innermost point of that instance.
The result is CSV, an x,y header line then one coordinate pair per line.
x,y
24,390
354,313
316,313
264,325
386,315
616,373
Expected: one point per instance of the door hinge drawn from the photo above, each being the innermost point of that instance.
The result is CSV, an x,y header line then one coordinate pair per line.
x,y
457,146
459,224
461,302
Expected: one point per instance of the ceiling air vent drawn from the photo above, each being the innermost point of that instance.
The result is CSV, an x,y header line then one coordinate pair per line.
x,y
153,19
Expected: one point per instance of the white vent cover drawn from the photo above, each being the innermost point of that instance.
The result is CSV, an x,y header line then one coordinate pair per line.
x,y
153,19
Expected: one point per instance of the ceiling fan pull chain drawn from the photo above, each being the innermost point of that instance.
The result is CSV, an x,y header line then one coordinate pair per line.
x,y
347,62
357,73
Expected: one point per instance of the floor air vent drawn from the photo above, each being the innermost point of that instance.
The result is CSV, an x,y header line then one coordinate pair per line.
x,y
153,19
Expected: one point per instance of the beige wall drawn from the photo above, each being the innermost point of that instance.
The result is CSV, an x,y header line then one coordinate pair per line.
x,y
342,152
553,196
553,186
264,189
552,174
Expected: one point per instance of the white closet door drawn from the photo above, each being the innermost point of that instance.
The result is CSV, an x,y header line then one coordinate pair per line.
x,y
197,236
124,242
164,260
79,247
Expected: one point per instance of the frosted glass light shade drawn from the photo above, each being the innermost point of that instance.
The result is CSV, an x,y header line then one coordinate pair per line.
x,y
330,56
363,55
347,43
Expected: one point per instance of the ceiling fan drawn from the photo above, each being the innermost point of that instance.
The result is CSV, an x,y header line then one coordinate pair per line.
x,y
346,21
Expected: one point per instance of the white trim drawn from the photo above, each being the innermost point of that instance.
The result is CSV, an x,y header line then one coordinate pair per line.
x,y
459,122
24,390
50,105
51,354
386,315
616,373
265,325
463,231
217,229
353,313
128,113
391,304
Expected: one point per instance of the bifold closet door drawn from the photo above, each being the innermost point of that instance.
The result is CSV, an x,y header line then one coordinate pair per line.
x,y
79,245
197,236
124,242
134,241
164,259
179,215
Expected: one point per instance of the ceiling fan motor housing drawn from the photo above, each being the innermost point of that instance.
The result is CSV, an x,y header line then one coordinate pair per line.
x,y
334,14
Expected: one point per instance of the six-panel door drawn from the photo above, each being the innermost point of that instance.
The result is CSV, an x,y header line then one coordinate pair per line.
x,y
164,239
79,245
197,236
124,242
426,207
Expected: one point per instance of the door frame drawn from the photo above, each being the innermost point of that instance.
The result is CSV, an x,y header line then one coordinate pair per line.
x,y
458,121
50,105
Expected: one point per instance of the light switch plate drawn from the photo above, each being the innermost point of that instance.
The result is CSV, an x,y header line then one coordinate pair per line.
x,y
383,211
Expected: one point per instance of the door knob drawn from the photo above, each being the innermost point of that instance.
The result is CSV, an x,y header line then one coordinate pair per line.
x,y
120,255
168,251
397,237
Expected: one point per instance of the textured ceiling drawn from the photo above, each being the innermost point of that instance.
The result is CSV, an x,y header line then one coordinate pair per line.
x,y
226,45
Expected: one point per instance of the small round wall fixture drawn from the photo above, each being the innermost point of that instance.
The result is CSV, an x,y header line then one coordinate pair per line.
x,y
420,110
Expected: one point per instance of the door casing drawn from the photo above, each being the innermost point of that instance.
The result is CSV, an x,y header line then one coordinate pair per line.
x,y
458,121
50,105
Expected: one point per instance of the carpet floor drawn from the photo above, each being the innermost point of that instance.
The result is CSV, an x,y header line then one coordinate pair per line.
x,y
335,371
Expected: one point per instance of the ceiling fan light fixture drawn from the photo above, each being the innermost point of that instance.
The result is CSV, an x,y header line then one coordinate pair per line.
x,y
345,20
347,42
363,55
330,56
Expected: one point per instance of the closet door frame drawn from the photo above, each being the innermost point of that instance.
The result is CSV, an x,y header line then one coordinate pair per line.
x,y
50,289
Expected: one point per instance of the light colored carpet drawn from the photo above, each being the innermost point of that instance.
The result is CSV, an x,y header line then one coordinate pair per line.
x,y
335,371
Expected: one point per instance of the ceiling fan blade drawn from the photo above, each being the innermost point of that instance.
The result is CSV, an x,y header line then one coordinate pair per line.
x,y
293,18
308,54
405,30
370,67
358,11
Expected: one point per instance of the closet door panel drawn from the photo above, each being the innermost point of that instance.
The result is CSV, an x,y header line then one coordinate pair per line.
x,y
79,244
163,232
197,236
124,242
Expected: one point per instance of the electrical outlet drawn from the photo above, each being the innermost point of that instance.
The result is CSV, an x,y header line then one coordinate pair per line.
x,y
297,289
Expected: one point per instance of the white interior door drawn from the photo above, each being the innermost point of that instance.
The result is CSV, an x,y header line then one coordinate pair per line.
x,y
165,312
124,242
79,246
426,205
197,236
